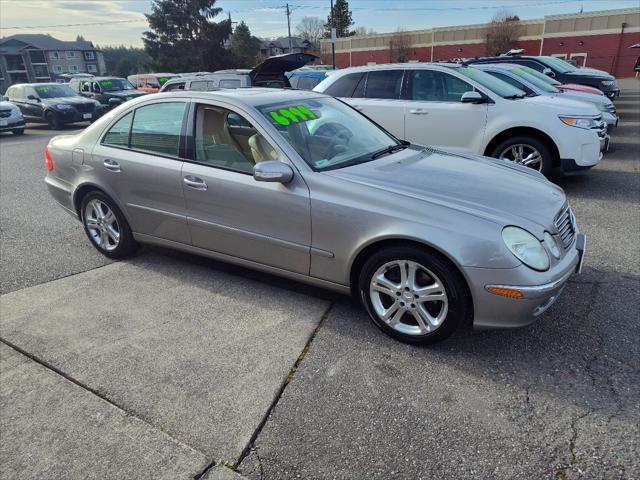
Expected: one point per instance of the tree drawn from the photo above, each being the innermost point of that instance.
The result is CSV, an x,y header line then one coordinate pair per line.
x,y
184,38
502,33
310,28
80,38
120,58
400,47
362,31
244,46
341,20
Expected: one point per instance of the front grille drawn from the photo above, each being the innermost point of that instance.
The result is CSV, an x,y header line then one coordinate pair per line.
x,y
84,107
565,222
5,113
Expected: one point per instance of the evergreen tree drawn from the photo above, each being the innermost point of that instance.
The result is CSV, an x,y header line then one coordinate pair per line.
x,y
341,20
244,46
184,38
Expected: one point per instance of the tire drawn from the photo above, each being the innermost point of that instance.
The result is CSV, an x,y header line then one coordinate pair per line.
x,y
18,131
448,307
103,237
505,150
53,120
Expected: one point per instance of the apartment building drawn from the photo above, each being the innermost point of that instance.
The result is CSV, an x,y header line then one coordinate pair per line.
x,y
42,58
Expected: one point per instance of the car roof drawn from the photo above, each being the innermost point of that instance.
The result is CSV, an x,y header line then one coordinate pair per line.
x,y
392,66
253,96
35,84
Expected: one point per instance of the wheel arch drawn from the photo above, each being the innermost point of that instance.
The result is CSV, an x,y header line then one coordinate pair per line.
x,y
534,132
82,190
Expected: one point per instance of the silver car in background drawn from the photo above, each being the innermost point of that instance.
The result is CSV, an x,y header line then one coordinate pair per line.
x,y
302,185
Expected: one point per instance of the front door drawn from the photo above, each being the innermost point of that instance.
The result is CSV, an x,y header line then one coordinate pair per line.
x,y
138,160
435,116
230,212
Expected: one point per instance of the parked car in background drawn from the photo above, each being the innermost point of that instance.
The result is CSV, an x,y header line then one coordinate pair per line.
x,y
462,109
531,85
53,103
441,238
560,70
270,73
306,78
109,91
11,119
561,86
150,82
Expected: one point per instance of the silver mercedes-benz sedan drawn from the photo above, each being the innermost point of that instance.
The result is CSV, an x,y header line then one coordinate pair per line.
x,y
301,185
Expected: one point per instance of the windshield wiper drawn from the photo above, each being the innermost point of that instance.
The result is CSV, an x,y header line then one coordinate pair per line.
x,y
390,149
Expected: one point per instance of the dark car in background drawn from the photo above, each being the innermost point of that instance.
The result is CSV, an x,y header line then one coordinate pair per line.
x,y
109,91
560,70
53,103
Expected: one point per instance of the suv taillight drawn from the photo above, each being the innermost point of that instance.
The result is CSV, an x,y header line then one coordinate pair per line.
x,y
48,161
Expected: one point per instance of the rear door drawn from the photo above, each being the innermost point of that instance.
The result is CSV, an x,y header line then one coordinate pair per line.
x,y
228,211
435,116
377,95
139,162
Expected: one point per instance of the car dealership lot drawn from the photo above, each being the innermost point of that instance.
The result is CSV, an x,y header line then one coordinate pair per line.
x,y
157,366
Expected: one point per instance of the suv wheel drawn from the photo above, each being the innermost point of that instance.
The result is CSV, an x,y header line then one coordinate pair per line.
x,y
53,120
413,295
18,131
526,150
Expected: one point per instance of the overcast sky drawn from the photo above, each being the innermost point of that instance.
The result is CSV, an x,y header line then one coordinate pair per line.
x,y
266,18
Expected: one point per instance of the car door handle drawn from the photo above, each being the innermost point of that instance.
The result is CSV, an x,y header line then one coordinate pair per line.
x,y
195,182
418,111
111,165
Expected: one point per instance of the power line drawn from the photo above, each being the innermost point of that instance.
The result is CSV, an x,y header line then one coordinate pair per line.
x,y
69,25
436,9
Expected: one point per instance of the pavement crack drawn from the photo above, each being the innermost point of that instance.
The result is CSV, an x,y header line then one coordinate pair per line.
x,y
66,376
250,445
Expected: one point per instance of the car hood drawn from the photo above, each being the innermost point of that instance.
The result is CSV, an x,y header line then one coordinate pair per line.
x,y
580,88
562,106
127,93
78,100
275,67
6,105
493,189
585,97
589,73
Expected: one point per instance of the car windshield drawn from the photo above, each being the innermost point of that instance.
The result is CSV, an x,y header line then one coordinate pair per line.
x,y
492,83
558,64
54,91
329,134
115,84
527,77
540,76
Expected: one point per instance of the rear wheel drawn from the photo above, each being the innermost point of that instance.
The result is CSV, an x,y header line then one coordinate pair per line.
x,y
526,150
53,120
18,131
106,226
413,295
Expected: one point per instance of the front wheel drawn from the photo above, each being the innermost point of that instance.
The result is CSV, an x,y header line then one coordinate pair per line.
x,y
53,121
526,150
18,131
106,226
413,295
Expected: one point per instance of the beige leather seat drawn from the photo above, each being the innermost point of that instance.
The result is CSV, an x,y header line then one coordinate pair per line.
x,y
261,150
214,128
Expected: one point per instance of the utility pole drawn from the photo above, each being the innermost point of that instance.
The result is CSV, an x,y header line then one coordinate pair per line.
x,y
289,27
333,38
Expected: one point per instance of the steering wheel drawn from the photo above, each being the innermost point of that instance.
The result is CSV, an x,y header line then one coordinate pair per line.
x,y
334,130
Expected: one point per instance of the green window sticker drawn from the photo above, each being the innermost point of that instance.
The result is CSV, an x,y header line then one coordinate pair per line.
x,y
162,80
296,114
48,88
106,83
519,72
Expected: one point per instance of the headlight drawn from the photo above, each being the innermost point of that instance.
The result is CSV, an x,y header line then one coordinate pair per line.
x,y
580,122
608,83
63,106
551,244
526,248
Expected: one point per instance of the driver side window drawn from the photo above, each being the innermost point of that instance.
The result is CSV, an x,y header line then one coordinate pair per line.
x,y
86,87
225,139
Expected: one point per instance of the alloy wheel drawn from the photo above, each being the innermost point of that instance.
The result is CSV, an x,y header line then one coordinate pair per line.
x,y
408,297
523,154
102,225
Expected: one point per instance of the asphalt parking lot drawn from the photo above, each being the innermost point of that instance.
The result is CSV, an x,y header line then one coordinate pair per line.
x,y
171,366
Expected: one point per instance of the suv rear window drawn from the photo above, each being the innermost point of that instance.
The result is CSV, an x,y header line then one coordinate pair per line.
x,y
384,84
344,86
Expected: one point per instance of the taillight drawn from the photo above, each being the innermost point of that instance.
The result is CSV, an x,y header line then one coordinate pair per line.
x,y
48,161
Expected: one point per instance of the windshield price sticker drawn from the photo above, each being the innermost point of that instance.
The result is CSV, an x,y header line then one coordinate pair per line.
x,y
518,71
106,83
48,88
287,116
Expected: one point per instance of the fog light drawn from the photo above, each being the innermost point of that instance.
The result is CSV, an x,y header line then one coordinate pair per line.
x,y
506,292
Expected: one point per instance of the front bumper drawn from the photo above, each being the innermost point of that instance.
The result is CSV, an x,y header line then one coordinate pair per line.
x,y
540,290
611,119
612,93
11,124
73,116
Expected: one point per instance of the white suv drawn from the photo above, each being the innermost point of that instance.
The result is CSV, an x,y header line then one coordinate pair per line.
x,y
460,108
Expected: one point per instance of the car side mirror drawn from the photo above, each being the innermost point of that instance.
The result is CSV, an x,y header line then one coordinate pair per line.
x,y
33,97
4,98
472,97
272,171
547,71
114,102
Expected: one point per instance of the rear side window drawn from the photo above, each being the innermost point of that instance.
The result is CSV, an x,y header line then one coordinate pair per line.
x,y
307,83
434,86
344,86
384,84
157,128
200,85
229,83
175,86
118,135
